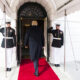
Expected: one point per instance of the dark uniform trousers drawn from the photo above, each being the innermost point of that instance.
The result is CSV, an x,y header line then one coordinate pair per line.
x,y
56,44
8,35
34,38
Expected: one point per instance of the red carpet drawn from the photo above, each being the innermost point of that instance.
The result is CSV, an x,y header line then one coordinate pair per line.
x,y
27,69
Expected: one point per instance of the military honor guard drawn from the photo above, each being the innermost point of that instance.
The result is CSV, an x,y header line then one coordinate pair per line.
x,y
56,43
35,40
10,39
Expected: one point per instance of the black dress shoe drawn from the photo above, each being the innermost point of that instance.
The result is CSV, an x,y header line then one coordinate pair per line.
x,y
57,65
36,74
8,69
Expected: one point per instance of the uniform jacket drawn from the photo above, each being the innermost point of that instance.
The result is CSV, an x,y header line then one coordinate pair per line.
x,y
56,34
35,39
10,32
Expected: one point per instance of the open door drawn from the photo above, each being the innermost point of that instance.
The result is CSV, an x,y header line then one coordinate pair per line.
x,y
24,25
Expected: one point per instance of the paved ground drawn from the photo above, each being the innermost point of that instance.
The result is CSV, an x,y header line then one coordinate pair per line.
x,y
60,72
10,75
73,70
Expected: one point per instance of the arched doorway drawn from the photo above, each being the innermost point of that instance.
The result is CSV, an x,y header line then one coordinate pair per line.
x,y
26,13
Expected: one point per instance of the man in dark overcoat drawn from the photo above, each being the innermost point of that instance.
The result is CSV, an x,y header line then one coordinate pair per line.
x,y
56,43
34,38
8,42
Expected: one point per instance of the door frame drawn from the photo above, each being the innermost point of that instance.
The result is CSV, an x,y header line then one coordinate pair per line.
x,y
19,43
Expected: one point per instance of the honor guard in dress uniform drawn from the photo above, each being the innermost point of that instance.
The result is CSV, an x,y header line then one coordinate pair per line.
x,y
56,43
35,40
8,35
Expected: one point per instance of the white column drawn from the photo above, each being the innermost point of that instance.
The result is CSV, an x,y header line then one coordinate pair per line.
x,y
45,36
14,55
51,38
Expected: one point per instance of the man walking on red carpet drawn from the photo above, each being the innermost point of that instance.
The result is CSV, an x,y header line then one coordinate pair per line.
x,y
34,38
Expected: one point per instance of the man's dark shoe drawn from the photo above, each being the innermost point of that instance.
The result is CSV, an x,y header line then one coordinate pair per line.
x,y
36,74
57,65
8,69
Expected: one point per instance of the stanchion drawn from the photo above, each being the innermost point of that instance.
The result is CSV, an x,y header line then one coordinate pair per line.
x,y
65,40
5,41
